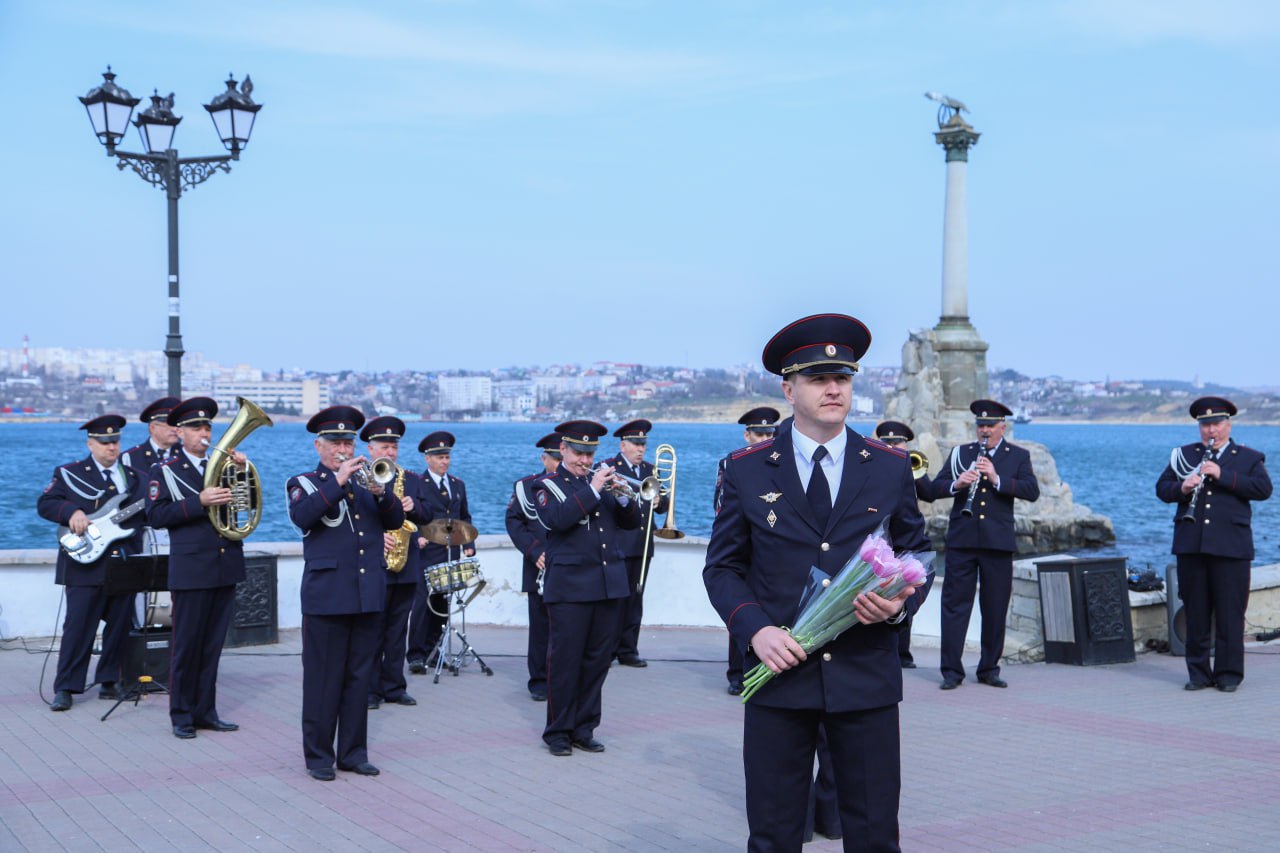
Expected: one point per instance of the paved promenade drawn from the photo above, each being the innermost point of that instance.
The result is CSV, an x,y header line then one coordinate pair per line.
x,y
1068,758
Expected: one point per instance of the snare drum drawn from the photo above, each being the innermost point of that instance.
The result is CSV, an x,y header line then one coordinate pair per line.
x,y
453,575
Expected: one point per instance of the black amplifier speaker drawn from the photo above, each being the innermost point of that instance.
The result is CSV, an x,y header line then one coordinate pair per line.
x,y
1178,616
147,653
1084,607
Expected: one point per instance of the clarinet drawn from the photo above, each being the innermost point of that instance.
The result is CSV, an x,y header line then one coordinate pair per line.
x,y
973,487
1190,514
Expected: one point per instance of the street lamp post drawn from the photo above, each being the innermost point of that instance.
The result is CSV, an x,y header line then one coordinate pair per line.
x,y
233,112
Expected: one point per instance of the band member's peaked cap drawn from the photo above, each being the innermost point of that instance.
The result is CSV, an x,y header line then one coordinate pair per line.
x,y
196,411
384,428
1210,410
104,428
336,422
159,410
817,346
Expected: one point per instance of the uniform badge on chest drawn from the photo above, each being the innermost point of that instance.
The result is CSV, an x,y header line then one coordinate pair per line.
x,y
770,497
771,518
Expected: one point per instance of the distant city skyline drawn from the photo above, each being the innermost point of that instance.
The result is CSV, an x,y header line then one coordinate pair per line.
x,y
491,184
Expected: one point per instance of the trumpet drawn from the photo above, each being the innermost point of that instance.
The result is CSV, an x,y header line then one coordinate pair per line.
x,y
380,471
919,464
622,486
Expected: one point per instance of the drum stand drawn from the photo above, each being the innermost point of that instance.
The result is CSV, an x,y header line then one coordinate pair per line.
x,y
445,656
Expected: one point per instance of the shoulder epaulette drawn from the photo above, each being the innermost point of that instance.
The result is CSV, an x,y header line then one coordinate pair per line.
x,y
752,448
880,445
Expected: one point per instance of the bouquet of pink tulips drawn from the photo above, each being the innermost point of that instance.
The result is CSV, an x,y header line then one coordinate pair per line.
x,y
826,606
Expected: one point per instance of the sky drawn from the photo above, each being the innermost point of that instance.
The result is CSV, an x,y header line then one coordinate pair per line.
x,y
475,184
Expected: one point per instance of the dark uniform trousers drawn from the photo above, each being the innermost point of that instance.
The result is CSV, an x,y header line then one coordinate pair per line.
x,y
764,540
980,551
344,591
204,569
431,609
529,538
631,544
1215,553
585,589
80,486
388,681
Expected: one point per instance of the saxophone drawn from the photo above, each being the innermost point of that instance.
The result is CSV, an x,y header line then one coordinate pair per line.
x,y
399,555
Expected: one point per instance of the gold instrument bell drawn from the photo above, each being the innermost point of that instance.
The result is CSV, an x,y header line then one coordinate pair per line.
x,y
237,519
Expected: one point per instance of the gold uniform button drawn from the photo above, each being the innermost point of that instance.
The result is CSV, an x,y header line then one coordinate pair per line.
x,y
826,656
1206,521
603,545
982,503
981,517
361,552
604,562
1208,506
358,518
597,514
222,550
826,546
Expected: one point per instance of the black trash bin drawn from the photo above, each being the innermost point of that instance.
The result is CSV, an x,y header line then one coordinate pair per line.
x,y
255,618
1084,608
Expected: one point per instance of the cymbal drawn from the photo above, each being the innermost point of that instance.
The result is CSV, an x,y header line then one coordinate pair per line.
x,y
449,531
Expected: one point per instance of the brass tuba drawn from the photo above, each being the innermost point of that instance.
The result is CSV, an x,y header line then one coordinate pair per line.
x,y
399,555
919,464
246,488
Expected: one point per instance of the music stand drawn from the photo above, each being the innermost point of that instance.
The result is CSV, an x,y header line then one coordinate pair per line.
x,y
141,573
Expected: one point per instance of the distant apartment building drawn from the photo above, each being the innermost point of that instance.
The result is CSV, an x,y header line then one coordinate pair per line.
x,y
465,393
306,396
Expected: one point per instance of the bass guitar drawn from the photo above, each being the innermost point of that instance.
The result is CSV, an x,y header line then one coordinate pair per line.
x,y
104,528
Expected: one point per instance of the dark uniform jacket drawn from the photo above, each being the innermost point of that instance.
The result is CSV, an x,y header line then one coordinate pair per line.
x,y
526,533
199,557
1223,525
764,541
583,561
79,485
631,542
344,570
434,506
420,515
991,525
144,455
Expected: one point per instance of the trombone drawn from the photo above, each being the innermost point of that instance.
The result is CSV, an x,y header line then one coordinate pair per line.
x,y
664,476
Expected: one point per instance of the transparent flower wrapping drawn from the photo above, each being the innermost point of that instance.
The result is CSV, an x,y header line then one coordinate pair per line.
x,y
826,604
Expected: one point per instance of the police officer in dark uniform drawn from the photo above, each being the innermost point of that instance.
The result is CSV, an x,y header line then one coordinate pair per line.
x,y
443,496
344,593
162,439
76,491
382,436
204,569
980,545
530,539
630,462
758,425
897,434
1213,540
810,497
585,584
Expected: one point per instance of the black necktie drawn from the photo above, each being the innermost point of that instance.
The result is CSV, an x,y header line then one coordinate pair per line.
x,y
819,491
202,461
444,490
106,475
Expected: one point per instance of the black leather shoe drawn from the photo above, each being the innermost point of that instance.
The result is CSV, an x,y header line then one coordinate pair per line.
x,y
588,745
560,748
61,701
538,695
992,681
736,687
218,726
364,768
636,662
323,774
403,699
1228,688
950,683
108,691
374,703
1196,685
906,664
417,667
184,732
